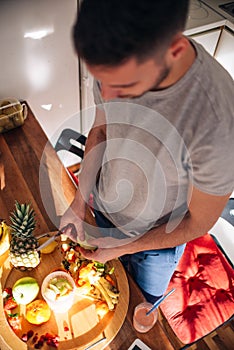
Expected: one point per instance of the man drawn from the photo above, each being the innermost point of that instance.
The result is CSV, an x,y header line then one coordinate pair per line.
x,y
158,157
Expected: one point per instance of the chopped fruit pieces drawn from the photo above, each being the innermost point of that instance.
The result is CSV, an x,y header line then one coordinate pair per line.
x,y
10,304
30,334
15,322
35,338
50,294
24,337
58,287
7,292
49,339
101,308
92,278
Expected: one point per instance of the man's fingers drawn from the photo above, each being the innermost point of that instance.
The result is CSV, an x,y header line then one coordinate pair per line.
x,y
81,235
86,253
74,234
70,232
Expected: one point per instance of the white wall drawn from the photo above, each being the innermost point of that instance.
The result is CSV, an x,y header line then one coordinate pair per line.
x,y
42,71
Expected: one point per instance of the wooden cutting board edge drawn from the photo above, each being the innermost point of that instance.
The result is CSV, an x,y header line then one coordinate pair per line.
x,y
8,339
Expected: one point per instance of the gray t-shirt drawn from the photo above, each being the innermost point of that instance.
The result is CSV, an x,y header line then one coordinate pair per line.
x,y
163,141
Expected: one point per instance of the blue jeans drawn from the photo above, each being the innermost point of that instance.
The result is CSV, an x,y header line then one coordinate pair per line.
x,y
151,269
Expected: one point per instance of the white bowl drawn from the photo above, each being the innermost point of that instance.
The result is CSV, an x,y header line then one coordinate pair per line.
x,y
62,303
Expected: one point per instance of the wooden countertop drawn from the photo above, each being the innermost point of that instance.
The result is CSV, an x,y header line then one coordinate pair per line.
x,y
31,165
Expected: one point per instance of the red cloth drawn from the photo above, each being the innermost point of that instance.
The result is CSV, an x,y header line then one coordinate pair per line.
x,y
73,176
204,295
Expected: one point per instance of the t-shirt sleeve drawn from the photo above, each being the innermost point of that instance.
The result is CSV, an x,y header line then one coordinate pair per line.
x,y
212,161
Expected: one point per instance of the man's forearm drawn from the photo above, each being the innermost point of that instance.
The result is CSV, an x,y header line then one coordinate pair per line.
x,y
91,164
204,211
158,238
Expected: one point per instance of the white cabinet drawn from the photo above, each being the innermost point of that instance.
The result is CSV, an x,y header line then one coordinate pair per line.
x,y
208,40
220,44
225,51
87,100
38,62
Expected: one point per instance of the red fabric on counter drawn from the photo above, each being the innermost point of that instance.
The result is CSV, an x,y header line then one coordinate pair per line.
x,y
204,295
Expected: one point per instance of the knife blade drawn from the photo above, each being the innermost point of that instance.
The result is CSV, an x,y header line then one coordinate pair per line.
x,y
51,239
59,233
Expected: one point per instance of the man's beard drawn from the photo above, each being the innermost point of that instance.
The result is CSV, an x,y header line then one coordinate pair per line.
x,y
164,72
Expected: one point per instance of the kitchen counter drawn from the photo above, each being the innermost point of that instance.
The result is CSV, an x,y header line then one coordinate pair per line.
x,y
206,15
214,4
202,18
213,28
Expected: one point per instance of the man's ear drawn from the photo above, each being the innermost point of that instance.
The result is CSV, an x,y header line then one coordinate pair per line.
x,y
178,46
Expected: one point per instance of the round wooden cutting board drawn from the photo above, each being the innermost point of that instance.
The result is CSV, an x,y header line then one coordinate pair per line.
x,y
80,326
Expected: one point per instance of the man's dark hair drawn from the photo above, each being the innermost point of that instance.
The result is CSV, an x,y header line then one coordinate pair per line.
x,y
107,32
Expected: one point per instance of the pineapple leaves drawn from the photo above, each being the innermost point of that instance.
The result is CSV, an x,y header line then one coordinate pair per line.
x,y
23,219
23,246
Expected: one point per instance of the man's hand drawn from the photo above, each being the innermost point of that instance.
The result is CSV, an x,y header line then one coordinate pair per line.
x,y
101,254
71,223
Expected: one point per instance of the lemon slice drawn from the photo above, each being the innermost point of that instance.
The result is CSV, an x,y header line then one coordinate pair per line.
x,y
49,248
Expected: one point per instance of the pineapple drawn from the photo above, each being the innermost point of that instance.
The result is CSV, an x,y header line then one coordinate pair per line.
x,y
23,246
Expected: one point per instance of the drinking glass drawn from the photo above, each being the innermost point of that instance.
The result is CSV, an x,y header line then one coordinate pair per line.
x,y
142,322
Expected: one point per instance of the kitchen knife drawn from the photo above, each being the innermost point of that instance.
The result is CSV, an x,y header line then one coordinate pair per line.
x,y
83,244
51,239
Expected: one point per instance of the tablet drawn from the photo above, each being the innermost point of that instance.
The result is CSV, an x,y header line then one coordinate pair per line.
x,y
138,345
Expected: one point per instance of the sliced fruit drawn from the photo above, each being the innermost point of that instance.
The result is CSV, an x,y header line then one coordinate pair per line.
x,y
101,308
38,312
25,290
50,294
15,321
10,304
54,288
7,292
59,286
63,283
49,248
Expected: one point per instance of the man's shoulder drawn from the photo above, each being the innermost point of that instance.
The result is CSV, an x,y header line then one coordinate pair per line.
x,y
210,71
